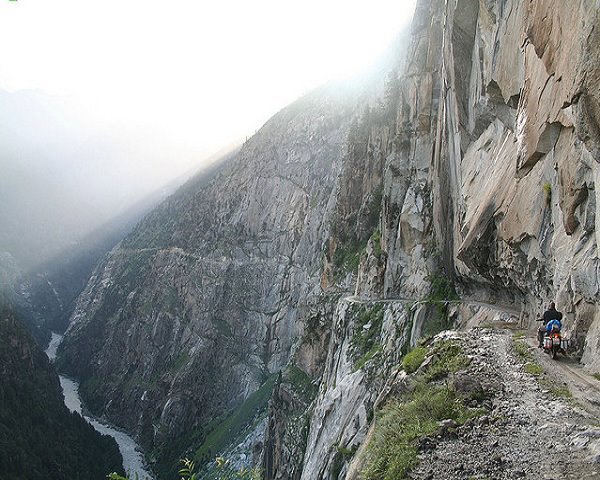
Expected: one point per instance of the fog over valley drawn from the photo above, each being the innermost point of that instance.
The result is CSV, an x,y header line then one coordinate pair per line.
x,y
64,174
300,240
99,111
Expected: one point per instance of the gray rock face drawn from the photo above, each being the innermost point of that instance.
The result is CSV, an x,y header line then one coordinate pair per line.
x,y
187,316
523,197
477,168
491,172
489,181
351,381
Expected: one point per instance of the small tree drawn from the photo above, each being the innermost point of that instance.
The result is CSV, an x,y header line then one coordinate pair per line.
x,y
225,471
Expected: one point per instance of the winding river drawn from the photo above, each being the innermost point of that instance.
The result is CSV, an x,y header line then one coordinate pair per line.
x,y
133,460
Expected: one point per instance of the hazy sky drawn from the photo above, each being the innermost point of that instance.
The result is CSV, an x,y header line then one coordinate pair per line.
x,y
109,100
200,73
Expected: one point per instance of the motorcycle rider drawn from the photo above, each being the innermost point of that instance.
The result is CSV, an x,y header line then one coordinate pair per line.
x,y
547,317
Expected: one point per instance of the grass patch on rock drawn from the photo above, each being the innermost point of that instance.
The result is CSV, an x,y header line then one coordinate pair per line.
x,y
448,357
301,382
523,352
533,368
413,359
393,451
365,342
225,432
547,189
347,257
441,294
555,389
364,359
376,239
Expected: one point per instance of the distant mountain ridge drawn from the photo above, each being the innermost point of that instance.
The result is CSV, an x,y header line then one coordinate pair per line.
x,y
66,175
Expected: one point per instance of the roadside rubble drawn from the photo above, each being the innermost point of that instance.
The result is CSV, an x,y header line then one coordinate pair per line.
x,y
528,428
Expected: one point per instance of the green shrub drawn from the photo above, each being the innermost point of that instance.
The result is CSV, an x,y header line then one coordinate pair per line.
x,y
393,450
413,359
374,206
442,290
448,357
225,471
223,468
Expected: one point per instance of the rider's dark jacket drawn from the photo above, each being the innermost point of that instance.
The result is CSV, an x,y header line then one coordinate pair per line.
x,y
551,315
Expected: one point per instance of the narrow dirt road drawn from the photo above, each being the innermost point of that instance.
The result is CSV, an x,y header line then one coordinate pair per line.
x,y
568,371
532,427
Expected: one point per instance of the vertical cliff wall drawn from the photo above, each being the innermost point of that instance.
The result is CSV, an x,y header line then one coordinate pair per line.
x,y
488,185
490,174
520,85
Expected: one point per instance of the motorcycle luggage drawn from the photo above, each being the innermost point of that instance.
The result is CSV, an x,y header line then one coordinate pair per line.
x,y
556,341
547,342
564,344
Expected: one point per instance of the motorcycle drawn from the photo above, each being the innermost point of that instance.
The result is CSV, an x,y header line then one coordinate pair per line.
x,y
555,344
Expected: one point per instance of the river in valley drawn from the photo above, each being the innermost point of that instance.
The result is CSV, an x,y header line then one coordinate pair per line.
x,y
133,459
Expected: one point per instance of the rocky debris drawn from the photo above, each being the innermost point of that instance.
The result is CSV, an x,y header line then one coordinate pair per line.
x,y
524,431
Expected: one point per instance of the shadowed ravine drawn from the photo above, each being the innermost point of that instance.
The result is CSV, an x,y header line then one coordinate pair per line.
x,y
133,459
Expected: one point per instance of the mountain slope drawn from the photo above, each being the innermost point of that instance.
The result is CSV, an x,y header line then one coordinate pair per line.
x,y
203,300
40,438
464,195
488,191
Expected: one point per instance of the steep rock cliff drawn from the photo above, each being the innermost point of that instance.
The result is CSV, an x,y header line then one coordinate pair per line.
x,y
203,301
489,184
475,173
